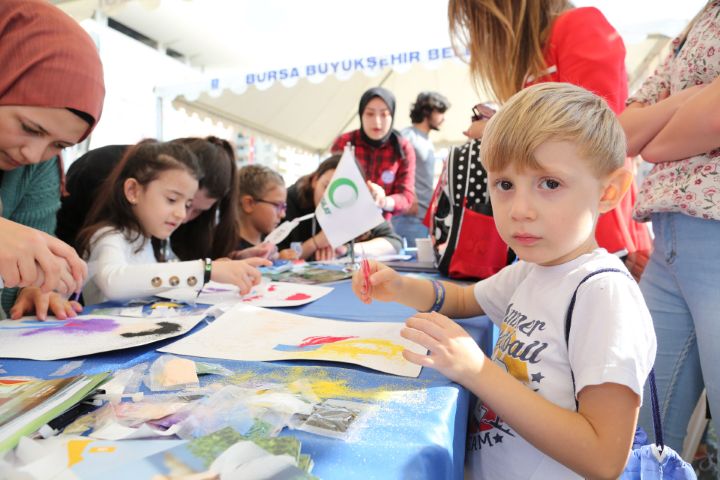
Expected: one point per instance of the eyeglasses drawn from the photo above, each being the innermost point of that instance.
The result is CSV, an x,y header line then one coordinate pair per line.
x,y
482,111
279,206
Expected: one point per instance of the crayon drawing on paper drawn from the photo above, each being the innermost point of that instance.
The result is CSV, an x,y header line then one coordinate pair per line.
x,y
251,333
85,334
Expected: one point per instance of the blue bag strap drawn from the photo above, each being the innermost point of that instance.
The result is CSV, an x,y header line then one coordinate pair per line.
x,y
657,425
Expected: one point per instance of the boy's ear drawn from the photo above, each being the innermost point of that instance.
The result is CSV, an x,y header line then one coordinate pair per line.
x,y
246,203
616,185
131,188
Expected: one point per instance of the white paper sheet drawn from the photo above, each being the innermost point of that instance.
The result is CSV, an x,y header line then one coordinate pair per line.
x,y
266,294
251,333
85,334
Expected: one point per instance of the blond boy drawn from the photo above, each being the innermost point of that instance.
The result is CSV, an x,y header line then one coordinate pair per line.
x,y
554,156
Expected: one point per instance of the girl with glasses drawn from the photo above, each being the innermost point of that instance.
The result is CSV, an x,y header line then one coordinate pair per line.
x,y
262,199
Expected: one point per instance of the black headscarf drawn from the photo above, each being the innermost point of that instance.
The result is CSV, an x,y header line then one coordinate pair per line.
x,y
392,135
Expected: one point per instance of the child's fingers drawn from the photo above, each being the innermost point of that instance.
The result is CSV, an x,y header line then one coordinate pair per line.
x,y
58,306
438,319
381,276
77,308
253,275
42,303
22,305
420,337
258,262
417,359
426,326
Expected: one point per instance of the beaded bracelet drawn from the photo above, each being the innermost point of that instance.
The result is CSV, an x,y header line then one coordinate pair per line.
x,y
439,296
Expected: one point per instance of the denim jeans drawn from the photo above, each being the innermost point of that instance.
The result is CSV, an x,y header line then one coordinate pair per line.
x,y
410,227
681,285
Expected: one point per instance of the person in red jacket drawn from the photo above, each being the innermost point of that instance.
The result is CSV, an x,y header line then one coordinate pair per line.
x,y
386,158
552,42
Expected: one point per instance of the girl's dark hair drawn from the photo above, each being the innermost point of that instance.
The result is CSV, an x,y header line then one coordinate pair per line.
x,y
214,232
304,183
144,162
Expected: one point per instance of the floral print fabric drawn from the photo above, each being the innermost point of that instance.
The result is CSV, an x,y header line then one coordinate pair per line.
x,y
692,185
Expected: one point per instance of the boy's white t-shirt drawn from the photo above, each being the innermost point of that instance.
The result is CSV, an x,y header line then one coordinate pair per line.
x,y
611,340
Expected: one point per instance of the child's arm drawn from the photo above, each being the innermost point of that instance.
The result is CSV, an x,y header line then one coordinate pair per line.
x,y
119,280
594,442
32,300
386,285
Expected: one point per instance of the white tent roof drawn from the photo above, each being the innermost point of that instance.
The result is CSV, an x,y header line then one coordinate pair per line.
x,y
262,60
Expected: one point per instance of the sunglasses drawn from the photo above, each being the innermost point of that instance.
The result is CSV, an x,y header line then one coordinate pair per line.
x,y
279,206
482,111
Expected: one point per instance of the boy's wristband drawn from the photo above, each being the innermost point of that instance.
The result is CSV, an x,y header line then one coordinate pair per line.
x,y
207,271
439,296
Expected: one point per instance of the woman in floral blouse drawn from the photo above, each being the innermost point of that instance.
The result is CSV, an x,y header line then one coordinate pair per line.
x,y
673,122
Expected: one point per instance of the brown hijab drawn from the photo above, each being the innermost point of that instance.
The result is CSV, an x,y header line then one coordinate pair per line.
x,y
48,60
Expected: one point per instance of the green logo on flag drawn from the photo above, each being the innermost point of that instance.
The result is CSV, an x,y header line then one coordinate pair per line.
x,y
342,197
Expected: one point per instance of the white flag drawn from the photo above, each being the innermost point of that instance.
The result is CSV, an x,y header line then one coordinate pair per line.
x,y
347,209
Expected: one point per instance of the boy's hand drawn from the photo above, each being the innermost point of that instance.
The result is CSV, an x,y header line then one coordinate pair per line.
x,y
385,283
33,300
453,352
241,273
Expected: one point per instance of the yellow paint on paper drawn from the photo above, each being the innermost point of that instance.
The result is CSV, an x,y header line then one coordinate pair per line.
x,y
75,450
102,449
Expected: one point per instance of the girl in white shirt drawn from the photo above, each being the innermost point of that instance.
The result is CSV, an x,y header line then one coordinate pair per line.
x,y
147,196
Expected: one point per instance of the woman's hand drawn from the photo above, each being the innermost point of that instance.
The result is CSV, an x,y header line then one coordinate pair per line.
x,y
29,257
241,273
453,352
385,283
33,300
636,262
378,193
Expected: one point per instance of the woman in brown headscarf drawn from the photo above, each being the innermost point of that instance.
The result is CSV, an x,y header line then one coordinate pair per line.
x,y
51,95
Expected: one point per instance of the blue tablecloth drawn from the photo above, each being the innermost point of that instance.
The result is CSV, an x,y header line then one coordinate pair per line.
x,y
417,432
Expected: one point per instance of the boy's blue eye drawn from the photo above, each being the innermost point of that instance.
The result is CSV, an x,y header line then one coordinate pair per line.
x,y
549,184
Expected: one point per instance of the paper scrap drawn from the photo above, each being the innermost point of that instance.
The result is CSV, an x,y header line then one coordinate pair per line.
x,y
67,368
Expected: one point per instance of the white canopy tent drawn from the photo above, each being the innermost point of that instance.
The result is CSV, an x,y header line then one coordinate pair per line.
x,y
294,71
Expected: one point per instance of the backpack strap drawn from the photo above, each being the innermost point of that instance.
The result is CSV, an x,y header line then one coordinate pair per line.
x,y
657,425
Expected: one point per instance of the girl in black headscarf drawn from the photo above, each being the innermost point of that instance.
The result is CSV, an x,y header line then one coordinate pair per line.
x,y
386,158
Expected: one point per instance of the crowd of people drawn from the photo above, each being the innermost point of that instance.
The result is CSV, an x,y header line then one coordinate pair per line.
x,y
128,221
